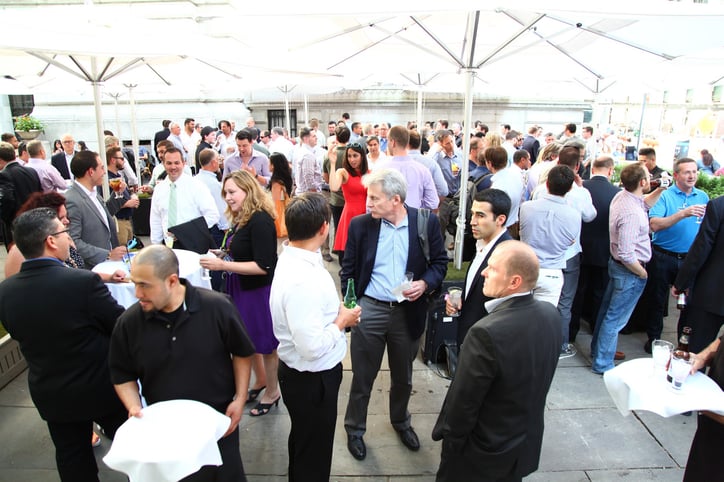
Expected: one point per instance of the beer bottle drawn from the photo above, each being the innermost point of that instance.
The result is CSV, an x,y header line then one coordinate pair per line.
x,y
350,299
682,351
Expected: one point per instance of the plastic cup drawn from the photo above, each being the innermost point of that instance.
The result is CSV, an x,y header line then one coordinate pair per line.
x,y
680,368
455,297
661,354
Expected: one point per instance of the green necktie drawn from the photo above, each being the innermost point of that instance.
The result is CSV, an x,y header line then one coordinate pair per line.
x,y
172,206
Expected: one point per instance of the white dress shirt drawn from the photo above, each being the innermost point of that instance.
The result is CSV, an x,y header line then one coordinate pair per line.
x,y
209,180
304,303
193,200
481,251
510,181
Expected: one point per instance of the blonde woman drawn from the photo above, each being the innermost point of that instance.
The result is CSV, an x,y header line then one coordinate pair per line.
x,y
251,245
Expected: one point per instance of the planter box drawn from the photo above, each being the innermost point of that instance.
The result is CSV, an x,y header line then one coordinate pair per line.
x,y
12,362
28,135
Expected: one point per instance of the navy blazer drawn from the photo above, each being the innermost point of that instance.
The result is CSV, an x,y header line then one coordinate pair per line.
x,y
361,251
58,161
63,319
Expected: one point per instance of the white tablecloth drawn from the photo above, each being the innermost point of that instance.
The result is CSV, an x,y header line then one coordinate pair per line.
x,y
171,440
125,293
633,387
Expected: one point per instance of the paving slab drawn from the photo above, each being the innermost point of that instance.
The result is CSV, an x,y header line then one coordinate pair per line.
x,y
637,475
16,393
590,439
673,433
573,476
575,388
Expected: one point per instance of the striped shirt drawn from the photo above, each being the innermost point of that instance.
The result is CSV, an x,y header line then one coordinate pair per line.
x,y
628,226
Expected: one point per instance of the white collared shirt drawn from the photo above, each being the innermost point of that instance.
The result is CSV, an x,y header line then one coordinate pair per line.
x,y
93,195
481,251
490,305
193,200
304,303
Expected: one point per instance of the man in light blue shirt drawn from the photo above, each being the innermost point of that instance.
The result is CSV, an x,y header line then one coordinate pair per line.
x,y
674,220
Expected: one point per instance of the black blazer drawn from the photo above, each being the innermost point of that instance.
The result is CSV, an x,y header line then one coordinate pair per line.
x,y
65,338
702,269
595,240
161,135
491,422
58,161
474,303
361,250
532,145
18,182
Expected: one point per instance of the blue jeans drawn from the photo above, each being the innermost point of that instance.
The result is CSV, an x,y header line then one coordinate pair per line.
x,y
623,291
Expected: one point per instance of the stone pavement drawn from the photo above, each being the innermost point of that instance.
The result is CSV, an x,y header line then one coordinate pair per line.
x,y
586,438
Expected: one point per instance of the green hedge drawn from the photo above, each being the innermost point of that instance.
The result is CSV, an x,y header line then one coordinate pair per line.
x,y
713,186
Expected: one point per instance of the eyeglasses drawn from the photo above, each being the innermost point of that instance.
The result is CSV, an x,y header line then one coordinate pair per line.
x,y
356,145
67,230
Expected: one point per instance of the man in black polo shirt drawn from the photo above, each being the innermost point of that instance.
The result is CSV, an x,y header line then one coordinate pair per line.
x,y
182,342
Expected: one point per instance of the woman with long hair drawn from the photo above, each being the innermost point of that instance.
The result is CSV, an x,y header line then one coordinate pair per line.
x,y
349,179
57,146
251,245
280,186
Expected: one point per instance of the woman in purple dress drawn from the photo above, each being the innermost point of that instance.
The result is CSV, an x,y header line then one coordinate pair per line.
x,y
252,244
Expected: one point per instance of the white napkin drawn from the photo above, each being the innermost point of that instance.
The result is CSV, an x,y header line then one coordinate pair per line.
x,y
171,440
633,387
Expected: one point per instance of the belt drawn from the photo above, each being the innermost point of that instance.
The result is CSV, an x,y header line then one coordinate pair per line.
x,y
621,263
678,256
390,304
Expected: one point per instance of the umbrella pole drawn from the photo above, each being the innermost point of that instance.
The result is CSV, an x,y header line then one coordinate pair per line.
x,y
134,134
99,126
468,111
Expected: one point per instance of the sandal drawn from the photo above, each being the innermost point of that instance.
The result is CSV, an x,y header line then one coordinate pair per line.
x,y
263,408
254,394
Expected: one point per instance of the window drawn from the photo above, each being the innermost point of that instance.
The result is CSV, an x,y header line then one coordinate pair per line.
x,y
277,118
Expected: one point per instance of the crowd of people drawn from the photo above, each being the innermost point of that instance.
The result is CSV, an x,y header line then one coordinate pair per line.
x,y
550,241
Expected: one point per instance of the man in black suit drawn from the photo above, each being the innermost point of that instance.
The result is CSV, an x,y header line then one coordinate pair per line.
x,y
700,274
65,339
17,183
491,422
390,229
532,144
161,135
595,245
61,160
489,212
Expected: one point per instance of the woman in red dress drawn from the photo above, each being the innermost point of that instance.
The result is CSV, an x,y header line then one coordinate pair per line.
x,y
349,178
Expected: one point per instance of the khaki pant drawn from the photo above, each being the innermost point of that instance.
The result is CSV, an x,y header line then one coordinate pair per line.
x,y
125,231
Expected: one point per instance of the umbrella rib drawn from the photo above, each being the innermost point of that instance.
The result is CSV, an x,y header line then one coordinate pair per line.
x,y
439,42
555,46
218,68
80,67
121,69
157,74
57,64
413,44
474,39
339,34
366,47
613,38
510,40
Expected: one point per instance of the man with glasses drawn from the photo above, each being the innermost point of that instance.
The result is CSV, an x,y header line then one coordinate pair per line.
x,y
65,340
91,225
61,160
120,207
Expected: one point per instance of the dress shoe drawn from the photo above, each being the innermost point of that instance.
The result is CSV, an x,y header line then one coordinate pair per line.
x,y
619,355
409,439
647,346
356,446
327,257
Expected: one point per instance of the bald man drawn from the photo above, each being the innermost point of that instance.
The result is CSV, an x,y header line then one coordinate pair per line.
x,y
173,317
491,422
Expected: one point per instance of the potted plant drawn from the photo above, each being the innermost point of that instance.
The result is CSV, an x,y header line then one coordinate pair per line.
x,y
28,127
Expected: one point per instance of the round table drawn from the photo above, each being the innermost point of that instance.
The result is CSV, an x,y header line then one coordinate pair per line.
x,y
125,293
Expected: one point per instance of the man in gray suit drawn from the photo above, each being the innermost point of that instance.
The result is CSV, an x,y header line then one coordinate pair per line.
x,y
91,225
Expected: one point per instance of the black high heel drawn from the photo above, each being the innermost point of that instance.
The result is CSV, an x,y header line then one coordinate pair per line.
x,y
254,394
263,408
